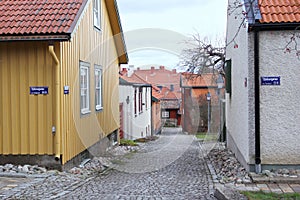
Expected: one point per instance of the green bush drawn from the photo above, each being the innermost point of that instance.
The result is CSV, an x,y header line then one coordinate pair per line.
x,y
124,142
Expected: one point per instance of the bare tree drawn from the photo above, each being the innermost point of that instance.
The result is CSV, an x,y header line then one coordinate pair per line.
x,y
202,56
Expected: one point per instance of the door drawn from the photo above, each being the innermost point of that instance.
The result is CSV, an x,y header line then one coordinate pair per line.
x,y
121,121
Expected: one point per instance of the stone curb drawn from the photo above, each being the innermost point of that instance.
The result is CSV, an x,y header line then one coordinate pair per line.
x,y
256,178
220,194
23,175
221,191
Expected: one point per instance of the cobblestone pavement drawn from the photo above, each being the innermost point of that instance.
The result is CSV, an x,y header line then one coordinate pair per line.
x,y
171,167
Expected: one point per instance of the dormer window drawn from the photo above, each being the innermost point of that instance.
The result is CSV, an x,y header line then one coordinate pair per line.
x,y
97,14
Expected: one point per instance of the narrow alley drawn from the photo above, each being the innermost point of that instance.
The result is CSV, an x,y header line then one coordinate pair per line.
x,y
171,167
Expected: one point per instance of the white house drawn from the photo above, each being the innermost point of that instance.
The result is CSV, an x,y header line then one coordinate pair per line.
x,y
135,110
263,67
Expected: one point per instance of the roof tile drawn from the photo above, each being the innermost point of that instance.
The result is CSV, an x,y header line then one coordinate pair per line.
x,y
279,11
37,16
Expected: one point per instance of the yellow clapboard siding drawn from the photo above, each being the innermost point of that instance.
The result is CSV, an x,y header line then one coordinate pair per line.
x,y
23,114
26,119
14,91
1,101
6,117
94,47
33,102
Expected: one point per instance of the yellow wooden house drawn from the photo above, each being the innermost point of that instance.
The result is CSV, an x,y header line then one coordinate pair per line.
x,y
59,64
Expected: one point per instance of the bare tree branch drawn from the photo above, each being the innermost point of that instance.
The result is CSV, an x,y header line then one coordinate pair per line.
x,y
201,56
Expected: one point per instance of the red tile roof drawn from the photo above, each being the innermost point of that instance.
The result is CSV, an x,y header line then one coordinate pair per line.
x,y
156,93
34,17
196,80
279,11
160,77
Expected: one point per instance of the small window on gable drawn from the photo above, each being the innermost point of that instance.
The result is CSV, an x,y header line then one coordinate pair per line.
x,y
97,14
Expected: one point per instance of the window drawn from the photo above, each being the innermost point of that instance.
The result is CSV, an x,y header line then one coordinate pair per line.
x,y
84,88
228,76
146,98
97,14
165,114
140,100
98,87
135,101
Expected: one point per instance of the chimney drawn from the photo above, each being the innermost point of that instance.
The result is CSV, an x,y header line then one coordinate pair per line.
x,y
161,67
152,70
124,71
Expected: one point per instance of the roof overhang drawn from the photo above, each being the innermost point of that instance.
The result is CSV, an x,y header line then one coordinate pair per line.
x,y
12,38
116,26
257,26
154,99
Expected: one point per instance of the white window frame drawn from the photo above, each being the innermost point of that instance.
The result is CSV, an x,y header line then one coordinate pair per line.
x,y
99,87
97,13
84,89
165,114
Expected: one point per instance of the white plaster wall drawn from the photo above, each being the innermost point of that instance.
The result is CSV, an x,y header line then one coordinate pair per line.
x,y
127,90
237,113
141,124
280,105
135,126
251,99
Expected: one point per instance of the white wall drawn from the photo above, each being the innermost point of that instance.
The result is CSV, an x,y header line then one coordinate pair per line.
x,y
237,105
280,105
136,126
127,90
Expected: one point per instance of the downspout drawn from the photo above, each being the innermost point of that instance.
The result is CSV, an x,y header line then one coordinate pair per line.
x,y
57,138
257,102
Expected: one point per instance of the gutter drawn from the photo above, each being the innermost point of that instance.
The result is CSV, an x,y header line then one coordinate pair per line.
x,y
57,138
274,26
257,102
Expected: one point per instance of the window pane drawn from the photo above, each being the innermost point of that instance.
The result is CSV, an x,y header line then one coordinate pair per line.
x,y
97,13
98,87
84,87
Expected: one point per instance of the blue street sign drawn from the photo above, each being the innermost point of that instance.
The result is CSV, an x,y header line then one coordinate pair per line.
x,y
270,80
38,90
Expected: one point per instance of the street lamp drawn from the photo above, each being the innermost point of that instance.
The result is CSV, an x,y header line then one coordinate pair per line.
x,y
220,84
208,98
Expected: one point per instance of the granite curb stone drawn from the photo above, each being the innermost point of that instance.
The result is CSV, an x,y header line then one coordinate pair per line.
x,y
277,183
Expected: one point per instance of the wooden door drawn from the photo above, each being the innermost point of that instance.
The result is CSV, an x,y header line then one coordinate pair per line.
x,y
121,121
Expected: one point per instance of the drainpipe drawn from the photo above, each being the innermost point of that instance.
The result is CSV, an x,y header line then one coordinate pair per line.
x,y
257,102
57,138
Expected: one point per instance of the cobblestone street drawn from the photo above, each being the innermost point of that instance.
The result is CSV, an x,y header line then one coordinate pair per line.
x,y
171,167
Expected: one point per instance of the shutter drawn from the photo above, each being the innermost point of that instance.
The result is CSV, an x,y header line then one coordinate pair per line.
x,y
228,76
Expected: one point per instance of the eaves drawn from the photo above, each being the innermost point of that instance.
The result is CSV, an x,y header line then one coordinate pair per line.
x,y
257,26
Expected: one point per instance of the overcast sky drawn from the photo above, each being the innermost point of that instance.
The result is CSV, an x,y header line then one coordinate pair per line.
x,y
155,30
